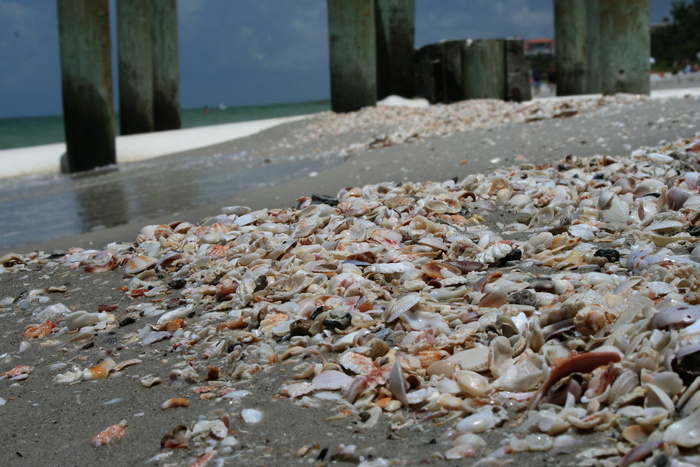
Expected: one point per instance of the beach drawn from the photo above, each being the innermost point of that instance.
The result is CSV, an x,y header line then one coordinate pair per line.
x,y
234,365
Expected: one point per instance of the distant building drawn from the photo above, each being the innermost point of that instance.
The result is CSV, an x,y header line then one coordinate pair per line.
x,y
539,47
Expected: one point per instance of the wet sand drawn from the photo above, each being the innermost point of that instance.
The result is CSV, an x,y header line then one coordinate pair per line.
x,y
50,424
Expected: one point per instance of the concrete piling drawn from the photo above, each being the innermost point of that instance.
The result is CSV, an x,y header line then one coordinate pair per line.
x,y
353,54
135,52
166,72
86,80
625,46
395,33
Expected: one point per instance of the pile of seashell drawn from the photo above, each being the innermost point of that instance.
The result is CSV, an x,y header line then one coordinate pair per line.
x,y
563,296
391,125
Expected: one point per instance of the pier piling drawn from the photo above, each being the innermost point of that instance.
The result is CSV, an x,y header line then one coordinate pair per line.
x,y
353,54
86,81
625,46
135,52
166,72
484,72
395,33
517,71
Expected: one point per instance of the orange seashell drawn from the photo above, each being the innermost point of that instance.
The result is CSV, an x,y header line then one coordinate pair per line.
x,y
435,269
172,325
42,330
17,371
203,459
100,371
493,300
204,389
138,264
123,288
428,357
110,434
236,324
218,251
175,402
383,402
138,292
366,306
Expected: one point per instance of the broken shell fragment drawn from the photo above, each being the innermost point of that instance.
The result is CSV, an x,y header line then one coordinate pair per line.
x,y
175,402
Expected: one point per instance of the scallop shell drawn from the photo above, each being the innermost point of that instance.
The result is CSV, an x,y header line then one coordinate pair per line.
x,y
356,363
624,384
617,213
664,227
398,307
331,380
377,348
656,397
138,264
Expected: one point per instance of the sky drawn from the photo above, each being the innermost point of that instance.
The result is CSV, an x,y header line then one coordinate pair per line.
x,y
246,52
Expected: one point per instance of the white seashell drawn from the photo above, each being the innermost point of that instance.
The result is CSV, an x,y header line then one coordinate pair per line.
x,y
80,319
493,253
605,199
397,385
475,359
583,231
472,383
398,307
664,227
660,158
356,362
437,205
685,432
387,268
618,213
155,337
520,200
251,416
625,382
478,422
656,397
237,210
331,380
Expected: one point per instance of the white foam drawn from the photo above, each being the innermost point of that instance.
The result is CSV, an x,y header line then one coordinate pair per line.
x,y
47,158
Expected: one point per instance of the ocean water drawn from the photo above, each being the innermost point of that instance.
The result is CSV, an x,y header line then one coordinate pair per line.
x,y
32,131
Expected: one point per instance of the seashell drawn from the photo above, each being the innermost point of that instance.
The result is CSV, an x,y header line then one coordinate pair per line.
x,y
605,199
110,434
676,316
356,363
251,416
664,227
331,380
676,198
138,264
640,452
235,210
475,359
377,348
690,393
80,319
442,368
397,385
155,337
472,383
100,371
656,397
617,213
150,381
399,201
658,158
493,300
175,402
437,206
684,432
397,307
625,382
37,332
478,422
17,373
127,363
668,381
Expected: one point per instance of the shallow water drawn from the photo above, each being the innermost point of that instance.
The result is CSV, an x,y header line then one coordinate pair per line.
x,y
39,208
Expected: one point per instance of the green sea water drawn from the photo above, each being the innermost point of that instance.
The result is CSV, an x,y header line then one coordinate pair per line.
x,y
32,131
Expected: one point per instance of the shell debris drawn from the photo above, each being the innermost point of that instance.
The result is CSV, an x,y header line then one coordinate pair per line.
x,y
388,300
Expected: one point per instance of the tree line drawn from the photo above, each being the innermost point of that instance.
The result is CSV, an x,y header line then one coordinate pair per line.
x,y
677,40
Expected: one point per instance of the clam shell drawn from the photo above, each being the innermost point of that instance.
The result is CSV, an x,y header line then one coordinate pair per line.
x,y
624,384
656,397
397,385
331,380
475,359
472,383
685,432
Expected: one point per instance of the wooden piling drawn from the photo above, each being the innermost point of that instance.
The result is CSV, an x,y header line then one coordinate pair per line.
x,y
166,72
484,74
395,33
625,46
577,38
452,71
353,53
135,44
428,73
517,71
86,79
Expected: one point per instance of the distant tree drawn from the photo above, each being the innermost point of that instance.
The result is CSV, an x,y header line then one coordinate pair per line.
x,y
680,38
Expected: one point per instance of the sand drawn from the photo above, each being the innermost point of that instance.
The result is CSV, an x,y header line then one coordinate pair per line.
x,y
50,424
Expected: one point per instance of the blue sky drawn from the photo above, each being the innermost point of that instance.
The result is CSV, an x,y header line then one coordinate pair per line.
x,y
246,52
